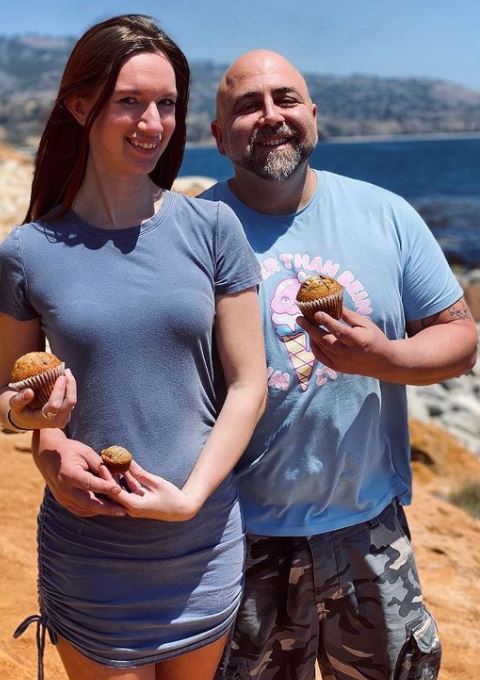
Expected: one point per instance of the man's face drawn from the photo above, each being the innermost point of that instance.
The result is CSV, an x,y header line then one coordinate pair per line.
x,y
266,121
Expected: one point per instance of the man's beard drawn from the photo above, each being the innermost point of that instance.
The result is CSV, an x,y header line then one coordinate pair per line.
x,y
277,164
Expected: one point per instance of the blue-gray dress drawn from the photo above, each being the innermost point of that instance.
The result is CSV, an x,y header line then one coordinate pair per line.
x,y
131,312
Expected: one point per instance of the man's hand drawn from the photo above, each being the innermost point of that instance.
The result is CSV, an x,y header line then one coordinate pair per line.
x,y
71,471
357,346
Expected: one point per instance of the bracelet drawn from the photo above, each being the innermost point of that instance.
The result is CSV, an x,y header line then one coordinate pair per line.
x,y
17,428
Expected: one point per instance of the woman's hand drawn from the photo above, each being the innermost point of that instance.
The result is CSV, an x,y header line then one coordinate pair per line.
x,y
72,473
156,499
55,413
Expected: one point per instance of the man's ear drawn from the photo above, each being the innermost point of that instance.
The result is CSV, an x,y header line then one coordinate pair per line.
x,y
217,134
78,108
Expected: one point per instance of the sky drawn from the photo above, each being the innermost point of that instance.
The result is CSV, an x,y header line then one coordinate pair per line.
x,y
432,38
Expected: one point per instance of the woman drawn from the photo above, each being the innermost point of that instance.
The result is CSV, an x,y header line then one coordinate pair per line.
x,y
140,291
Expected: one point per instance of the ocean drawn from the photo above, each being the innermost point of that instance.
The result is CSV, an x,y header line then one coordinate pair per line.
x,y
439,177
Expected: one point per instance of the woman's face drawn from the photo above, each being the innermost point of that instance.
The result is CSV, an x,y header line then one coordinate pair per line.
x,y
136,124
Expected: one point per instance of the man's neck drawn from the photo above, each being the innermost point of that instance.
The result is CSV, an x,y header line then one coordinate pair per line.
x,y
274,197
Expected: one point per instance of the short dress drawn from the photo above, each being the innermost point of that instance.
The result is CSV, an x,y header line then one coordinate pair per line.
x,y
131,312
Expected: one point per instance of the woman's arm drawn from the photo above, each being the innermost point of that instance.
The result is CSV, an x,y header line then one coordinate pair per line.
x,y
239,338
18,338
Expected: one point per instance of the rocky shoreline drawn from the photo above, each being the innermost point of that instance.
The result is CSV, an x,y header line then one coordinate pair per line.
x,y
454,404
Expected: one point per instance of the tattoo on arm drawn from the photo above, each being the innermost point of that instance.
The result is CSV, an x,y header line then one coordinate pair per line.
x,y
459,310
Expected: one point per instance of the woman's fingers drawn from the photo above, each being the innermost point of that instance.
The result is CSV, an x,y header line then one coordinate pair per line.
x,y
55,413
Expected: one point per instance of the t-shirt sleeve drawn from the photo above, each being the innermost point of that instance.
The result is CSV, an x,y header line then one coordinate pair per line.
x,y
429,285
236,266
13,285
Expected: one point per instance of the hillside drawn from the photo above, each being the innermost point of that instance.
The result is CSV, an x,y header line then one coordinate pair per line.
x,y
355,105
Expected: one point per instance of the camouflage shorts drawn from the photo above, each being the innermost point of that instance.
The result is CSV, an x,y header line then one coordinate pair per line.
x,y
349,599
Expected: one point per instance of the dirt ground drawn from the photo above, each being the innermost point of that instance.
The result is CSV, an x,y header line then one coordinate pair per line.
x,y
447,542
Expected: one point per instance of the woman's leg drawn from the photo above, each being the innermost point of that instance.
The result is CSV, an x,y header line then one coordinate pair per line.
x,y
200,664
79,667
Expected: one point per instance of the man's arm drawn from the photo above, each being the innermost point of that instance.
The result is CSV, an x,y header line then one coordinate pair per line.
x,y
437,348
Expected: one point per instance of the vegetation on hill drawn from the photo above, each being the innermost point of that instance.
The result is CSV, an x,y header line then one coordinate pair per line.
x,y
356,105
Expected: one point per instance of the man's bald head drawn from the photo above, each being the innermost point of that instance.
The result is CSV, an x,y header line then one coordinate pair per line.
x,y
257,62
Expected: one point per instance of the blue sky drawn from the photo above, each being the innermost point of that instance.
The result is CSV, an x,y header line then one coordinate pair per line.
x,y
435,38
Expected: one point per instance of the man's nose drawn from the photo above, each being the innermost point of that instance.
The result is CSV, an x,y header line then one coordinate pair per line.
x,y
272,114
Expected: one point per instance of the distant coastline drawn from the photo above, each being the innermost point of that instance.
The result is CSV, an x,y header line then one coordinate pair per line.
x,y
362,139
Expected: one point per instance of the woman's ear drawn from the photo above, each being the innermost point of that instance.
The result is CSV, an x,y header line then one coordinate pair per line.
x,y
78,108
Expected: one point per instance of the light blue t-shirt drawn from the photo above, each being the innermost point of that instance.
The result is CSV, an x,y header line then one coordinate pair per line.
x,y
332,450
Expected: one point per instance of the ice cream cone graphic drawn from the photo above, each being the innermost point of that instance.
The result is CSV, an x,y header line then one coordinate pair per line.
x,y
284,313
300,356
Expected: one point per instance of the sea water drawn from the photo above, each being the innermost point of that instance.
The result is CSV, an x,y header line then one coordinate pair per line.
x,y
439,177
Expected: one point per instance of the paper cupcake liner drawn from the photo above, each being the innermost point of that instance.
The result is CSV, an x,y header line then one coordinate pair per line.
x,y
41,384
331,304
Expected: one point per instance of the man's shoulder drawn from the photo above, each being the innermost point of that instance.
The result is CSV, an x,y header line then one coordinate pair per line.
x,y
212,192
361,192
359,186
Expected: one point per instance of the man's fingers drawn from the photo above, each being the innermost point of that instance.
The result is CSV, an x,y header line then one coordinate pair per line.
x,y
322,333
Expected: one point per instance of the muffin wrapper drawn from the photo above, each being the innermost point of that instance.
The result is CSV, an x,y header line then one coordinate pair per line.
x,y
117,467
331,304
42,384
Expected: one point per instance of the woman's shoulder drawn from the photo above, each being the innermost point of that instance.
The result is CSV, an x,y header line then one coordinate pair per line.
x,y
23,238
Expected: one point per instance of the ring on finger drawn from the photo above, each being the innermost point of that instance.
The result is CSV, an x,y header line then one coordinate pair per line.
x,y
49,415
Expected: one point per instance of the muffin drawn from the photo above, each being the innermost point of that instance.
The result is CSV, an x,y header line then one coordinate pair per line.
x,y
320,293
116,458
38,371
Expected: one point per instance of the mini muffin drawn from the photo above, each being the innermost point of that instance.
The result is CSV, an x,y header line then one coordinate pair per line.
x,y
116,458
39,371
320,294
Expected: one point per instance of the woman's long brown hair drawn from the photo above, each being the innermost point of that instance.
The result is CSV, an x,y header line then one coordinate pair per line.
x,y
92,71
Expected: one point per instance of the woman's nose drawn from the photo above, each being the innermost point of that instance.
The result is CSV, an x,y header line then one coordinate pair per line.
x,y
151,120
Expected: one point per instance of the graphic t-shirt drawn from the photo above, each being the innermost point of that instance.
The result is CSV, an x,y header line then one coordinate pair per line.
x,y
332,449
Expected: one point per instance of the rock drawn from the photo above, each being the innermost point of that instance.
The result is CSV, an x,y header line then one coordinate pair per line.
x,y
472,296
15,178
192,185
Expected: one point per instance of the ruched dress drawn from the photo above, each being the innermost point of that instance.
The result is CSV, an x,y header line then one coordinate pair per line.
x,y
131,312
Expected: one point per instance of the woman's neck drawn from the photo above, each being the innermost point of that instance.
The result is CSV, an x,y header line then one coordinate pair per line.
x,y
113,203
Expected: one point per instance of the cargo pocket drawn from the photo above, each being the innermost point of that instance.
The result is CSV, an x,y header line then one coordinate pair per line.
x,y
419,658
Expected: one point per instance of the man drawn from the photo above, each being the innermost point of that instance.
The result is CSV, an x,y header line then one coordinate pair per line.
x,y
330,570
